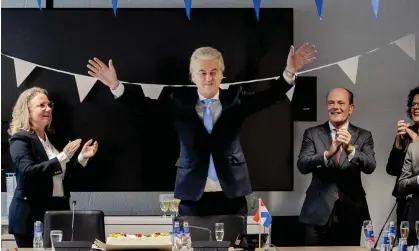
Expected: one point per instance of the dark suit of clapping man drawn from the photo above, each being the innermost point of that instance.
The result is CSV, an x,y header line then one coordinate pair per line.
x,y
336,153
212,176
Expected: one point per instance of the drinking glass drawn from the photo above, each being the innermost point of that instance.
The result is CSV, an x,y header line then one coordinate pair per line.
x,y
174,205
171,199
366,224
219,231
368,233
404,229
56,236
164,203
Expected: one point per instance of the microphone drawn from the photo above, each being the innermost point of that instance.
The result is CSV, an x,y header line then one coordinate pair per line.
x,y
209,245
72,220
382,229
72,244
203,228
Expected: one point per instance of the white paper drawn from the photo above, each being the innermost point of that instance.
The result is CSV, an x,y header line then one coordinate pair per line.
x,y
152,91
290,93
224,86
22,70
146,245
84,85
407,44
350,67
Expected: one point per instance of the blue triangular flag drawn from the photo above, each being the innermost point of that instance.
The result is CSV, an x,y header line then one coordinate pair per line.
x,y
114,6
188,4
375,6
39,4
319,4
256,5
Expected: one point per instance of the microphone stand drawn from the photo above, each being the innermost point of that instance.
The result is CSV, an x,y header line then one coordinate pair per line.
x,y
203,228
72,221
381,231
73,245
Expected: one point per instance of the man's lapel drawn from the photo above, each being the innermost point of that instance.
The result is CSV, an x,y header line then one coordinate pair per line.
x,y
326,138
192,98
225,99
223,96
353,130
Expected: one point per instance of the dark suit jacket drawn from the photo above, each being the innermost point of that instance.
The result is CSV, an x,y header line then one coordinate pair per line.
x,y
408,184
196,144
34,172
332,179
396,159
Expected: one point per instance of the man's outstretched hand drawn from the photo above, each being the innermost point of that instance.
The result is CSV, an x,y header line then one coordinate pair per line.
x,y
106,74
304,55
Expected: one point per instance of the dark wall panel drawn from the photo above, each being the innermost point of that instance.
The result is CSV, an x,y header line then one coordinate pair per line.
x,y
147,46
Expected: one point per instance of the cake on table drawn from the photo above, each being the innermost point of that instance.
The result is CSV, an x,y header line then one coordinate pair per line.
x,y
139,239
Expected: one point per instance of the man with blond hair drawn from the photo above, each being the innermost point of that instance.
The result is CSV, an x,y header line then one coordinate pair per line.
x,y
212,176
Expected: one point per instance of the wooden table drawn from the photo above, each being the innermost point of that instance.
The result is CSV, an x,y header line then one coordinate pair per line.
x,y
320,249
285,249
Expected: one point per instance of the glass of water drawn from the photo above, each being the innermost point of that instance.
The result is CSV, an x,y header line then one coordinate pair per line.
x,y
56,236
219,231
368,234
404,229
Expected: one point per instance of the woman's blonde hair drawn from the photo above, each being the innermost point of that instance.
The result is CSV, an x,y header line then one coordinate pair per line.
x,y
20,114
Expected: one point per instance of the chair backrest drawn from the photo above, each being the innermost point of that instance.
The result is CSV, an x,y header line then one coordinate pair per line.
x,y
88,225
233,226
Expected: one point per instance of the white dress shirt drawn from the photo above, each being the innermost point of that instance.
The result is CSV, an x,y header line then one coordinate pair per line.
x,y
58,189
216,108
333,134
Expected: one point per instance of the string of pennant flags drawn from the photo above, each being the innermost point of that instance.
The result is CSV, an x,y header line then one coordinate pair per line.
x,y
375,4
85,83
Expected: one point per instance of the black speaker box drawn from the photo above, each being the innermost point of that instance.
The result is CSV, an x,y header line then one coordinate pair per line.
x,y
304,99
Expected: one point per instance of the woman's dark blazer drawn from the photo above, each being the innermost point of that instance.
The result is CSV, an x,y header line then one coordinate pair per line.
x,y
34,172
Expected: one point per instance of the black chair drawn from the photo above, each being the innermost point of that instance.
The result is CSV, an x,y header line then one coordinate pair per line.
x,y
88,225
233,226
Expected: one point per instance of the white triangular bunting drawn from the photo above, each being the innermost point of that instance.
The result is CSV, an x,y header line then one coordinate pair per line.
x,y
224,86
407,44
84,85
152,91
290,93
22,70
350,67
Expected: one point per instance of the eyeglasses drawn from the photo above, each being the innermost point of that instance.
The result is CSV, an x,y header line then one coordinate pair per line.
x,y
50,104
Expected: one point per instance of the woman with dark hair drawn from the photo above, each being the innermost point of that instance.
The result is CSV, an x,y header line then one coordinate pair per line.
x,y
406,134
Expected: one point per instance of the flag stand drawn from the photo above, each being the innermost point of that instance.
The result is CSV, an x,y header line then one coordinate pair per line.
x,y
266,222
260,239
260,228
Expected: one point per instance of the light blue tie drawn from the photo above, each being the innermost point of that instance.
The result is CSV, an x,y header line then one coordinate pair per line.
x,y
209,124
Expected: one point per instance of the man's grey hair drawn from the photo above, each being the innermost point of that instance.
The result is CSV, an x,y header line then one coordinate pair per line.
x,y
206,53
